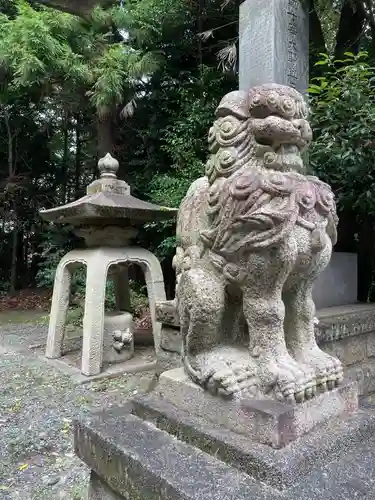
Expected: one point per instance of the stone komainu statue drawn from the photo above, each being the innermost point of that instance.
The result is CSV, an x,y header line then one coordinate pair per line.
x,y
252,236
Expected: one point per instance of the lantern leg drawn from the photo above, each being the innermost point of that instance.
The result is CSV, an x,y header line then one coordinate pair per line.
x,y
93,320
59,308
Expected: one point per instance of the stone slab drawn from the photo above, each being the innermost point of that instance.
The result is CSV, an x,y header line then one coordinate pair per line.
x,y
170,339
115,370
268,422
338,284
339,322
132,457
276,467
166,313
349,351
72,349
98,490
364,375
139,461
274,43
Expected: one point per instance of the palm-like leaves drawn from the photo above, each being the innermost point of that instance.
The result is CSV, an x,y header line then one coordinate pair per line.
x,y
37,47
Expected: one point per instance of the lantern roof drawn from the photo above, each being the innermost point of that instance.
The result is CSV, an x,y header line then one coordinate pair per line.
x,y
108,201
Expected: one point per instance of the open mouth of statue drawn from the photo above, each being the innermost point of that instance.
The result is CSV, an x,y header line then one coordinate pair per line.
x,y
281,157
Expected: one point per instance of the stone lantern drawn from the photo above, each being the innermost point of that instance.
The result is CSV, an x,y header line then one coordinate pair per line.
x,y
107,218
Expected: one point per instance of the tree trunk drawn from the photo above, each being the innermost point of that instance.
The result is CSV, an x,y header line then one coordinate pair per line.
x,y
75,7
64,162
11,173
13,269
21,268
351,26
77,176
316,39
105,132
27,278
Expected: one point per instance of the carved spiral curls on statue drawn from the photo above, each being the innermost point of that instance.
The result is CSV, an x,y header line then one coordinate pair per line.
x,y
325,200
306,196
251,218
215,193
262,104
230,144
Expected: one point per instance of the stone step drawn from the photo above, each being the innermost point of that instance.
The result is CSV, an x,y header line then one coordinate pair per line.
x,y
150,450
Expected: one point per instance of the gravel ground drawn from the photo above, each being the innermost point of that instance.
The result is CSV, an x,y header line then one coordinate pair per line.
x,y
37,405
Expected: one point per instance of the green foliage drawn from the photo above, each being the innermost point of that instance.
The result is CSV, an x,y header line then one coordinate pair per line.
x,y
34,47
56,242
184,141
343,119
113,73
44,47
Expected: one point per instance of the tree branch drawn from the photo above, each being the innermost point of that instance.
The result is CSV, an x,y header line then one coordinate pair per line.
x,y
75,7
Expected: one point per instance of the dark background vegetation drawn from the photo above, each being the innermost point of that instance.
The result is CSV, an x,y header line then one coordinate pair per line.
x,y
141,79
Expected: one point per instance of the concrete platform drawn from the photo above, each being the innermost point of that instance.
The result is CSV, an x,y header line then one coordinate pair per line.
x,y
264,421
151,450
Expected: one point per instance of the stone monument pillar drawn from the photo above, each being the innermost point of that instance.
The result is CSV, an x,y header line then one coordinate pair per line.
x,y
274,43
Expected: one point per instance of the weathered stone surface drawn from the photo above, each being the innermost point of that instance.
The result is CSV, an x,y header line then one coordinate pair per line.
x,y
105,218
265,421
349,351
277,467
98,261
134,451
364,374
253,236
118,328
107,202
166,313
274,43
338,283
370,339
336,323
171,339
98,490
137,460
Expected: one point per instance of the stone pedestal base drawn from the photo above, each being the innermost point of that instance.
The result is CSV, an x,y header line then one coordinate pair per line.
x,y
151,449
264,421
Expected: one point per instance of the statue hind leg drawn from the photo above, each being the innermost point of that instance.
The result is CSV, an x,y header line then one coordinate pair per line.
x,y
264,311
299,321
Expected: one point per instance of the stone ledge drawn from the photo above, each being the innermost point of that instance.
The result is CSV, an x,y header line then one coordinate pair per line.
x,y
137,460
335,323
278,468
267,422
339,322
132,456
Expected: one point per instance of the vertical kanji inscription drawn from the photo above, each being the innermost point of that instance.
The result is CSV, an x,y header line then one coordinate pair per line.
x,y
292,69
